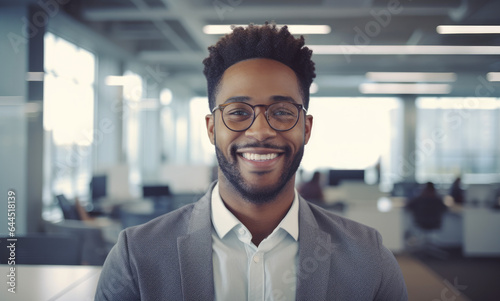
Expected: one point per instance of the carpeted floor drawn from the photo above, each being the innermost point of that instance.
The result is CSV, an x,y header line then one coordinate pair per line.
x,y
477,278
423,284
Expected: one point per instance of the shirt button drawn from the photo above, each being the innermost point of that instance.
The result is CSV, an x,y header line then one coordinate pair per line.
x,y
256,259
242,231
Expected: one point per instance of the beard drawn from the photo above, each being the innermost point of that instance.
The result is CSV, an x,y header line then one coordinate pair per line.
x,y
258,195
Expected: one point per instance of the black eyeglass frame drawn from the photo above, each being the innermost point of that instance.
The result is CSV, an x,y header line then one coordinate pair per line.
x,y
223,106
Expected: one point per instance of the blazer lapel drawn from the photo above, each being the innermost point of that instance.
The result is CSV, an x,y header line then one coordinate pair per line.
x,y
315,251
195,253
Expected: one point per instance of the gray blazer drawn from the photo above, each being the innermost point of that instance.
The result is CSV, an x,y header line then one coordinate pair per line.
x,y
170,258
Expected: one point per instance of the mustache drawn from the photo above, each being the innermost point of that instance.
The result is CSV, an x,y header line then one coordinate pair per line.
x,y
286,149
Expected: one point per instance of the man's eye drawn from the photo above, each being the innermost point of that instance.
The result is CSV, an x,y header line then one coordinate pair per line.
x,y
283,113
239,113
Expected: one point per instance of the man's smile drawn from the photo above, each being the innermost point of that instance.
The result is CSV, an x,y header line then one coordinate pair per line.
x,y
260,157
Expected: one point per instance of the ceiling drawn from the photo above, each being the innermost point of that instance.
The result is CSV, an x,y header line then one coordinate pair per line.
x,y
168,33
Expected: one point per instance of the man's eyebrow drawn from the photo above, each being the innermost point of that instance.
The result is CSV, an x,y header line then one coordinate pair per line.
x,y
247,98
237,99
283,98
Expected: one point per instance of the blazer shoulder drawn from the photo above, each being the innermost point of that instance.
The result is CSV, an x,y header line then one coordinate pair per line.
x,y
187,219
175,221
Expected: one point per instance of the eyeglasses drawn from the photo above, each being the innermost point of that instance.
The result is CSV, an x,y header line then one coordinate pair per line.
x,y
239,116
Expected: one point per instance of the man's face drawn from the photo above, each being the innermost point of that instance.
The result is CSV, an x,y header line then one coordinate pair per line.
x,y
260,161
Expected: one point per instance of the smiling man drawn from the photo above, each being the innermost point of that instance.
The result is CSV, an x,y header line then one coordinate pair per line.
x,y
252,237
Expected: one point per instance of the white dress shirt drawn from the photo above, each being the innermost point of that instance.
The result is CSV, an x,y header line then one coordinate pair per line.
x,y
243,271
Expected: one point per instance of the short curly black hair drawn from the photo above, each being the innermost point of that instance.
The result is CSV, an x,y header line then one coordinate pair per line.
x,y
259,41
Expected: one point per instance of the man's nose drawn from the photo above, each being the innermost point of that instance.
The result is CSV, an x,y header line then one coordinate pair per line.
x,y
260,129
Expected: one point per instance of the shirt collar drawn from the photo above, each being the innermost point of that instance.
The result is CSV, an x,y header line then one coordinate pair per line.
x,y
224,221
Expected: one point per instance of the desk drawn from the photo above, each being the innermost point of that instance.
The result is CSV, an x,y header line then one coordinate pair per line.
x,y
390,224
481,227
51,282
393,222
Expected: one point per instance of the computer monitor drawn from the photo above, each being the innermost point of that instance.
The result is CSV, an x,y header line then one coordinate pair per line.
x,y
336,176
406,189
155,191
98,186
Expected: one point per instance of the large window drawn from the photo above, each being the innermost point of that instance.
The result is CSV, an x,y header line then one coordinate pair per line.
x,y
132,94
202,151
458,136
353,133
68,116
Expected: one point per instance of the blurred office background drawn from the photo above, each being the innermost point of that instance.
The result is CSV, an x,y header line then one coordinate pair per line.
x,y
102,107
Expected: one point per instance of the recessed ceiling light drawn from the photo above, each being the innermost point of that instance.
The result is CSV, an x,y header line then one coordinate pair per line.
x,y
403,50
468,29
411,76
166,97
376,88
115,80
294,29
493,76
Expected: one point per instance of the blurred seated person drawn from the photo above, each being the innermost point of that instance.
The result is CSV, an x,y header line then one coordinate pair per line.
x,y
456,191
427,208
312,190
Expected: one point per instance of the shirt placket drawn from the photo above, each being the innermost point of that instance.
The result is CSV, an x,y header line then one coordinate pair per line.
x,y
256,266
256,279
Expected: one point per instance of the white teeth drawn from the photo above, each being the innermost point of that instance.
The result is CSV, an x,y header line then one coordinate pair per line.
x,y
259,157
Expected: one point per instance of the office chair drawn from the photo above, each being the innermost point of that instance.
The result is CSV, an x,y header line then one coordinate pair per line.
x,y
95,239
93,234
427,216
43,249
69,210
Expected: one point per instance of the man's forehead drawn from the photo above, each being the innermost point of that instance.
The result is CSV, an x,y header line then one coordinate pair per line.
x,y
259,80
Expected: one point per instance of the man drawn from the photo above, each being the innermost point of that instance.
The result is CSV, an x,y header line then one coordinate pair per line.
x,y
252,237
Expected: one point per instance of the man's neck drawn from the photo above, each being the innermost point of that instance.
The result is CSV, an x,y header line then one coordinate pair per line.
x,y
260,219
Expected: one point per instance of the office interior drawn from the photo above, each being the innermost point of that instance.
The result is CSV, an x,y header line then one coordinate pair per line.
x,y
102,114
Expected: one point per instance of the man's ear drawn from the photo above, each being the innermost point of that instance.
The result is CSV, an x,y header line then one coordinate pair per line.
x,y
209,119
308,128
